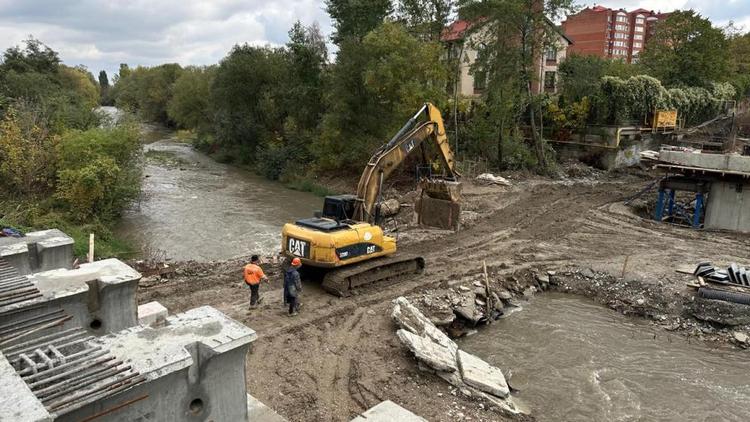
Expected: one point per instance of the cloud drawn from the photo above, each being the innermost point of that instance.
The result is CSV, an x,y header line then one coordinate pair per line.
x,y
101,34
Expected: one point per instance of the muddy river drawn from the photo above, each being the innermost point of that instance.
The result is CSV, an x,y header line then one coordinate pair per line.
x,y
193,207
574,360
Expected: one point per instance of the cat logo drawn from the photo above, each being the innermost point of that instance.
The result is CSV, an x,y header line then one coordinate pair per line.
x,y
298,247
409,145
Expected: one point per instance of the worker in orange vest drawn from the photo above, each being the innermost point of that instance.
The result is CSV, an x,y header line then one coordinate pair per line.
x,y
253,276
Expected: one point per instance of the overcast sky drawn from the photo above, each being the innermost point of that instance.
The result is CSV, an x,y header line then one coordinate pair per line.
x,y
100,34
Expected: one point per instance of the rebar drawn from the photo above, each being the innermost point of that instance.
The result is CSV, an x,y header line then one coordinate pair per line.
x,y
32,344
102,366
6,327
73,360
73,371
123,383
17,299
4,341
83,383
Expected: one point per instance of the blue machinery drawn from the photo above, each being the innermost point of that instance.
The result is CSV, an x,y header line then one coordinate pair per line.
x,y
676,211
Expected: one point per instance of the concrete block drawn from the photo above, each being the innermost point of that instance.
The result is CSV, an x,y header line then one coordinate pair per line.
x,y
482,376
152,313
719,162
728,206
388,411
99,296
257,411
38,251
432,354
408,317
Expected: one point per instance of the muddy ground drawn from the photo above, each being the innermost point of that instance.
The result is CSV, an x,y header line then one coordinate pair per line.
x,y
340,355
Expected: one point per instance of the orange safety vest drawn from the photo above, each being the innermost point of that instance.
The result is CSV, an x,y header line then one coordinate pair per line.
x,y
253,274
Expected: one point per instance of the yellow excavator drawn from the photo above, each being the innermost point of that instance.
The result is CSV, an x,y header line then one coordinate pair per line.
x,y
345,238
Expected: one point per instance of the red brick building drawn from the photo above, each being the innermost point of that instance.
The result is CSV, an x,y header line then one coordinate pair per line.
x,y
611,33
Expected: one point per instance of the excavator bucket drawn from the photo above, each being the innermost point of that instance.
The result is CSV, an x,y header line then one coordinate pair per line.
x,y
439,204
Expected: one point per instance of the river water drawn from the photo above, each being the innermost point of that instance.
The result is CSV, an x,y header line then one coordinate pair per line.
x,y
193,207
574,360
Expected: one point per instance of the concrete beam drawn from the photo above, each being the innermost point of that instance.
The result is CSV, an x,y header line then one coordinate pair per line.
x,y
99,296
38,251
716,162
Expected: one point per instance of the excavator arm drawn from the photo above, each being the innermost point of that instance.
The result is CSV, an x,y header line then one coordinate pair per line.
x,y
389,157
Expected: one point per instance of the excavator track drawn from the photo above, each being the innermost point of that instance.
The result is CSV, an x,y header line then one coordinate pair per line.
x,y
341,282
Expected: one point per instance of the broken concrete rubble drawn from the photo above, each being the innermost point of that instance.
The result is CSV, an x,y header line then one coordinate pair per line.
x,y
470,374
481,375
388,411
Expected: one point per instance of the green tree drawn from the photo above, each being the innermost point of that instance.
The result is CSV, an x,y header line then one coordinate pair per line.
x,y
245,95
739,48
147,90
190,105
356,18
375,86
509,36
425,18
687,50
104,88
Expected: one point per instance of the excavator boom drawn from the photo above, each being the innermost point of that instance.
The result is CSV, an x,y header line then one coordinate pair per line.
x,y
389,157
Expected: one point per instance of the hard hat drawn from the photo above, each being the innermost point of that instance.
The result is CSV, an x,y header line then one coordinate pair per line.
x,y
296,262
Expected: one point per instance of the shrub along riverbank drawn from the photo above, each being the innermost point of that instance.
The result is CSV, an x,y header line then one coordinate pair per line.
x,y
61,165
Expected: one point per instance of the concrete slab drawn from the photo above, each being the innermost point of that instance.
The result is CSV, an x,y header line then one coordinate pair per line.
x,y
152,313
482,376
257,411
719,162
388,411
99,296
426,350
17,402
38,251
194,369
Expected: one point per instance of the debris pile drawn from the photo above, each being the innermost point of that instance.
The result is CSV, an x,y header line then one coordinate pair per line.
x,y
734,274
438,354
491,179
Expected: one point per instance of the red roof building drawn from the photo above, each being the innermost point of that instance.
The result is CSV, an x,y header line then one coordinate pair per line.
x,y
611,33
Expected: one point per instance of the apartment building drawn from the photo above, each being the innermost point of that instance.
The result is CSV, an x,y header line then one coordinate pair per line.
x,y
611,33
460,43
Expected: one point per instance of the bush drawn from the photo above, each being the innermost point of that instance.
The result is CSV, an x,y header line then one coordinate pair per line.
x,y
98,171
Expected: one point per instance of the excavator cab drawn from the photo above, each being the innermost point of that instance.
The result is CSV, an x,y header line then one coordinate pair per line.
x,y
339,207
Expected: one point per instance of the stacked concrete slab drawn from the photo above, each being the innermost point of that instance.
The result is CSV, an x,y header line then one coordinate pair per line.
x,y
75,345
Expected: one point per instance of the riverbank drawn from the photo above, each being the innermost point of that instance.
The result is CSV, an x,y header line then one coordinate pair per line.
x,y
340,356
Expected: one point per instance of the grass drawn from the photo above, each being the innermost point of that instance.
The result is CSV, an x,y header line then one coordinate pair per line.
x,y
307,185
29,215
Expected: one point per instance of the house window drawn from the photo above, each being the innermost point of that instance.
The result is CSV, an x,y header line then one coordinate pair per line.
x,y
640,20
621,27
550,81
637,45
551,54
622,18
638,29
637,37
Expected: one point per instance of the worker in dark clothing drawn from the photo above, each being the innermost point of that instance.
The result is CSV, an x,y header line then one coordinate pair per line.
x,y
293,286
253,276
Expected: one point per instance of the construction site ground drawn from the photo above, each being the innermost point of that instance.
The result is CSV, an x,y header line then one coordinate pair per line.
x,y
340,356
